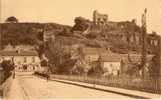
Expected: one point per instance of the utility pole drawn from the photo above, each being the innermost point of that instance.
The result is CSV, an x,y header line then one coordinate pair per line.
x,y
144,44
159,64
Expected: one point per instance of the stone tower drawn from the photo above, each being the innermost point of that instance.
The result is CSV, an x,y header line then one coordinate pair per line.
x,y
100,19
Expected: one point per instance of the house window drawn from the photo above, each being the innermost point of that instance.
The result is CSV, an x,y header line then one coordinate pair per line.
x,y
25,59
33,59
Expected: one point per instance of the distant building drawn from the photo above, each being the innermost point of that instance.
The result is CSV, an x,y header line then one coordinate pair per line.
x,y
90,54
100,19
23,60
111,63
105,58
153,43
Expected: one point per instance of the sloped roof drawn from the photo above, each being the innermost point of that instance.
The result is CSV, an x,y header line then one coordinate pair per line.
x,y
108,56
111,57
21,53
135,58
114,57
92,51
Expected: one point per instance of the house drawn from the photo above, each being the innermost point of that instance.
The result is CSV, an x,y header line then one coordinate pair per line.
x,y
23,60
91,54
114,63
111,63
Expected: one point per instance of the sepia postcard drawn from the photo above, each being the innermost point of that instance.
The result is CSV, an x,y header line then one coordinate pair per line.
x,y
80,49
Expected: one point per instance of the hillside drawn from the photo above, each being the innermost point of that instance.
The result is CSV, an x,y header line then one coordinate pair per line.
x,y
26,33
121,37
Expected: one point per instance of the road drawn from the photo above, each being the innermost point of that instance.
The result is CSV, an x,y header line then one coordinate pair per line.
x,y
34,88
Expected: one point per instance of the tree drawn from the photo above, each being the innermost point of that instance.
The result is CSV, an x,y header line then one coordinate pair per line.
x,y
97,70
65,32
40,50
154,68
92,35
11,19
44,63
7,66
81,24
56,53
154,72
80,68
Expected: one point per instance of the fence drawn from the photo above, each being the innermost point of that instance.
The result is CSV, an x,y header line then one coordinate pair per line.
x,y
147,85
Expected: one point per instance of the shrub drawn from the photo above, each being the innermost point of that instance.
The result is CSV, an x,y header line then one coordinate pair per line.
x,y
92,35
7,66
44,63
96,70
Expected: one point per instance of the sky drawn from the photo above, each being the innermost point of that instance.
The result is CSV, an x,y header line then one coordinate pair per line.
x,y
64,11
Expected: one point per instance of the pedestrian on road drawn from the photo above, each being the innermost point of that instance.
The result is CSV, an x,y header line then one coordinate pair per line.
x,y
14,74
48,72
47,76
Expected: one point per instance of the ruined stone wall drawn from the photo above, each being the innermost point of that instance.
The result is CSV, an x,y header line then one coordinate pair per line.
x,y
100,19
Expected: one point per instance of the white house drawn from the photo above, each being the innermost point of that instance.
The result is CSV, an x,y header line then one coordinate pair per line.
x,y
90,54
23,60
111,63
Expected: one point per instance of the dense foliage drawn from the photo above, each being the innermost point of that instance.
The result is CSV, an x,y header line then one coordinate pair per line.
x,y
7,67
81,24
27,33
16,33
154,69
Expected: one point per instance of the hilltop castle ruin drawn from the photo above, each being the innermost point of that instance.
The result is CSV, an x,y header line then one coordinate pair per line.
x,y
100,19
